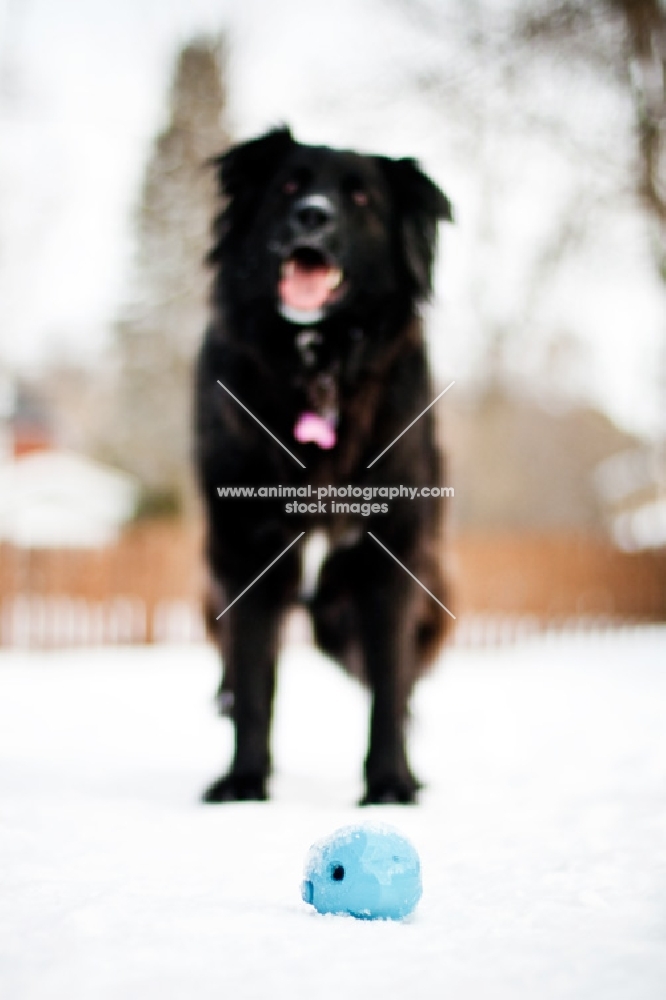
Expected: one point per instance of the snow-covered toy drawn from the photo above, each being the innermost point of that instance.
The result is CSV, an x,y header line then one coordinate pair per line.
x,y
370,872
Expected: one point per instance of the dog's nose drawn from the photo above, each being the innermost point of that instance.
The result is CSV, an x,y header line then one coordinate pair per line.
x,y
312,214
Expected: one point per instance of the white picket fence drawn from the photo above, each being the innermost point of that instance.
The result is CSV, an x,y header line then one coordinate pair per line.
x,y
33,621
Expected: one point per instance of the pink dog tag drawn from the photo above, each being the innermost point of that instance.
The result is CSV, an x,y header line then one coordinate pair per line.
x,y
312,427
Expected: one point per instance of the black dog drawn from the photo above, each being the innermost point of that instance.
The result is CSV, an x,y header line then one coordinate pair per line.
x,y
320,258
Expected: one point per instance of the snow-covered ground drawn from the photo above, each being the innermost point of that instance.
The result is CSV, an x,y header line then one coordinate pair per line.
x,y
542,831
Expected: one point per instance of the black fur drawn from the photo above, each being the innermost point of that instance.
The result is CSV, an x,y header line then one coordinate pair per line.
x,y
376,220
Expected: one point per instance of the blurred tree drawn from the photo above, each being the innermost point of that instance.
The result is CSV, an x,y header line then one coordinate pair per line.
x,y
566,92
637,57
158,334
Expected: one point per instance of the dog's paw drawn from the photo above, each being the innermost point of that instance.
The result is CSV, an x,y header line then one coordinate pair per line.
x,y
391,792
237,788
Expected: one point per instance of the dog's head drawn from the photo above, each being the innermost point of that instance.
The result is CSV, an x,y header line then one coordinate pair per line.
x,y
316,231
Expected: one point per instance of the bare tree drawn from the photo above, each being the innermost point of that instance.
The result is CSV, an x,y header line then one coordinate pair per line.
x,y
638,59
636,56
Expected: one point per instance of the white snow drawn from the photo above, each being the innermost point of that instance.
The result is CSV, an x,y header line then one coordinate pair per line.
x,y
541,832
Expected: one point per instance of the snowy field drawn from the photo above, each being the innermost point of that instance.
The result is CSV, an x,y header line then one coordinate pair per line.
x,y
542,831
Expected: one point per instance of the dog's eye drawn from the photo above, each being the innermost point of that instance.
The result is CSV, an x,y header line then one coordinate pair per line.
x,y
338,873
354,188
297,181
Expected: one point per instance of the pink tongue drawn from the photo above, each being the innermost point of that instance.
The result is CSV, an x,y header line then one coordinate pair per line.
x,y
305,288
312,427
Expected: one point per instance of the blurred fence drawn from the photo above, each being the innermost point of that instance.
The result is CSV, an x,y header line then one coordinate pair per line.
x,y
147,588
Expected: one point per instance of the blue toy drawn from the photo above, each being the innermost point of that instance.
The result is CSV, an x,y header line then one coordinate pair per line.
x,y
370,872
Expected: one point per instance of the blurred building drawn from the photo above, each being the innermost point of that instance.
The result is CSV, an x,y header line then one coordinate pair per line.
x,y
629,481
521,464
51,497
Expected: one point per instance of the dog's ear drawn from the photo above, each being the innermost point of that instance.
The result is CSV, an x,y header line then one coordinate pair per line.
x,y
420,206
249,164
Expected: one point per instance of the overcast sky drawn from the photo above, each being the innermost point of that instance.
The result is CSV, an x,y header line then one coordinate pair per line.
x,y
84,84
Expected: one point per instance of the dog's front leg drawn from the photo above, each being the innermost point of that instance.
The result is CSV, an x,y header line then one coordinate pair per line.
x,y
250,634
388,638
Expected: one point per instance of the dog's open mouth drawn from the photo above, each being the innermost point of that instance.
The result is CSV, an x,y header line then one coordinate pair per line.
x,y
309,282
